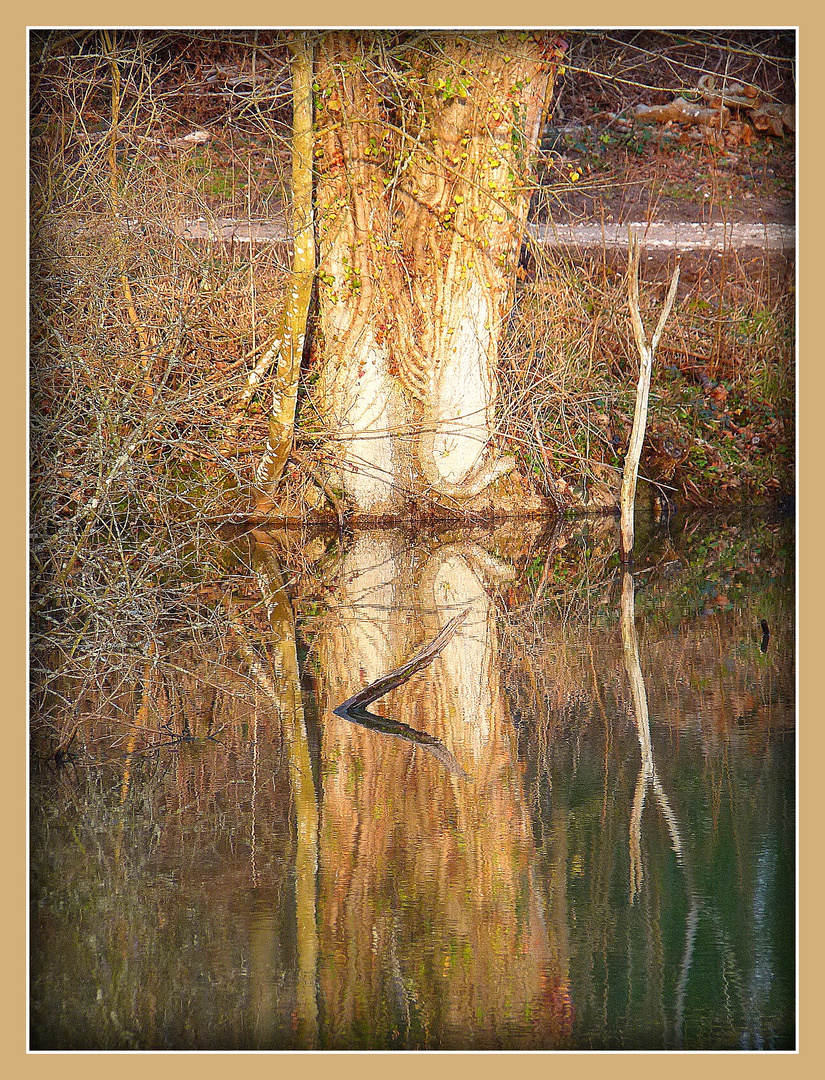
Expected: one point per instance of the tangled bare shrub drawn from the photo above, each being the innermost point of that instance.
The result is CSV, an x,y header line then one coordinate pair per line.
x,y
141,337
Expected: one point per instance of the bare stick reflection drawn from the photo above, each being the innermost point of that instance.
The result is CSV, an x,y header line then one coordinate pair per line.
x,y
649,778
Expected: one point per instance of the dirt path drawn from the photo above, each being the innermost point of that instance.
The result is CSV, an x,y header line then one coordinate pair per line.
x,y
657,235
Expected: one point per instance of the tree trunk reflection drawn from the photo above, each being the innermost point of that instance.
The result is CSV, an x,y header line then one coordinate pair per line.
x,y
426,878
281,683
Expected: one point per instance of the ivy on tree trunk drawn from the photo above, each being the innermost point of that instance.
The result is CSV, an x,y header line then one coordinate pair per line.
x,y
423,156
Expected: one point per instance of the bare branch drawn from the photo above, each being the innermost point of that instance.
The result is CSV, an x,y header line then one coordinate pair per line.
x,y
400,675
646,354
671,296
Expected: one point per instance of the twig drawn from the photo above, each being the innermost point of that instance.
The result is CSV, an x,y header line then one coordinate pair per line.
x,y
110,41
318,479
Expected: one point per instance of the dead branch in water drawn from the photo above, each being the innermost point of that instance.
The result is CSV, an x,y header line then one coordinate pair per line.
x,y
354,708
392,679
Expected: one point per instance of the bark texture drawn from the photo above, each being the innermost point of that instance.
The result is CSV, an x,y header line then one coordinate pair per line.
x,y
423,157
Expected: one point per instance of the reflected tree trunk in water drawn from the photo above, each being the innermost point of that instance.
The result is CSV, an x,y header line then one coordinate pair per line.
x,y
630,645
147,695
426,877
281,683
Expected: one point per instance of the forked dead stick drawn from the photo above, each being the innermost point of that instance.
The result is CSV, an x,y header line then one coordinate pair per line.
x,y
646,354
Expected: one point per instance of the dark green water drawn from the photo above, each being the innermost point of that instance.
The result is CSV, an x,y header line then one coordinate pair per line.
x,y
585,879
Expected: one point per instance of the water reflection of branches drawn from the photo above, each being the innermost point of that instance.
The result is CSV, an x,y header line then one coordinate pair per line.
x,y
647,772
443,870
648,778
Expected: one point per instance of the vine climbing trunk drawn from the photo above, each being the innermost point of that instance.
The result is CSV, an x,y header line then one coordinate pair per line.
x,y
423,153
288,346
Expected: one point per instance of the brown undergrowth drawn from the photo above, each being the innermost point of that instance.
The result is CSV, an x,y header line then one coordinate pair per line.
x,y
143,339
721,423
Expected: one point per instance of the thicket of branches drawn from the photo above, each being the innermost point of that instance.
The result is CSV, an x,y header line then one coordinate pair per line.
x,y
143,337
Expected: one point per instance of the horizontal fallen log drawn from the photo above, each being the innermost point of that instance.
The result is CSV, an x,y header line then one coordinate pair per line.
x,y
733,94
769,117
670,236
682,112
774,119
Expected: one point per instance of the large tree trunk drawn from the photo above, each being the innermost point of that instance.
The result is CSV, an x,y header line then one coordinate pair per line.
x,y
422,200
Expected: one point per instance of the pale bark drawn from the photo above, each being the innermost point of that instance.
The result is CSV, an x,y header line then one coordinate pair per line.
x,y
647,771
422,203
627,499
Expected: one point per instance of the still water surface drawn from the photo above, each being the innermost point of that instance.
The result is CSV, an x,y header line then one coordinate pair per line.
x,y
594,847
